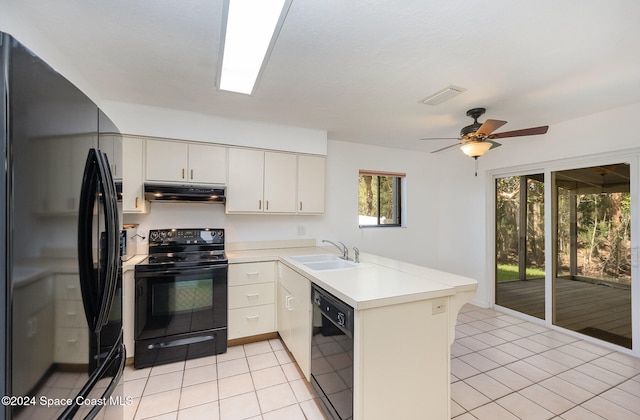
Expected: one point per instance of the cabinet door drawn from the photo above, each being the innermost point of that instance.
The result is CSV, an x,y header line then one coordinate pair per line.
x,y
245,181
133,175
207,164
311,174
166,161
111,144
294,315
283,314
280,182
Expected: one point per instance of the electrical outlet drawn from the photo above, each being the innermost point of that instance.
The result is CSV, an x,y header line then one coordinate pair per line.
x,y
302,230
439,307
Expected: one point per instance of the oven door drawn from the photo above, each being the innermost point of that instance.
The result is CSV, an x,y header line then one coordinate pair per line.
x,y
180,313
176,301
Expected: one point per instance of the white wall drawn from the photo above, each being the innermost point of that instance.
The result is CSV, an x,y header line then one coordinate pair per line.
x,y
161,122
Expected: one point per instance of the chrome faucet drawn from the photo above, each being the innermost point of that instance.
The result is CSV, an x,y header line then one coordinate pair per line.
x,y
356,259
344,249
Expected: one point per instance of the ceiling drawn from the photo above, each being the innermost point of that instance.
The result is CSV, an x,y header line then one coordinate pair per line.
x,y
358,68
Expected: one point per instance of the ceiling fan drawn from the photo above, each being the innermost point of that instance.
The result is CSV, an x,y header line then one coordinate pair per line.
x,y
477,138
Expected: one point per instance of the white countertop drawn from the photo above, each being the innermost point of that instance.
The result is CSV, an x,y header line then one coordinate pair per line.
x,y
377,282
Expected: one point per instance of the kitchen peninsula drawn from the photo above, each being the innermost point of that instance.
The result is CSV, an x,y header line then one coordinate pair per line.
x,y
404,323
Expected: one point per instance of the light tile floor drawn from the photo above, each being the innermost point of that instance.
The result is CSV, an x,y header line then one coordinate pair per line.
x,y
252,381
502,367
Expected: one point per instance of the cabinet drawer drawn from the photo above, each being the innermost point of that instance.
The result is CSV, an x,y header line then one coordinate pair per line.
x,y
68,287
70,313
245,322
252,273
251,295
71,345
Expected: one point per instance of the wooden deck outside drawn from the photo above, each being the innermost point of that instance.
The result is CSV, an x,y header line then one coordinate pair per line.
x,y
600,311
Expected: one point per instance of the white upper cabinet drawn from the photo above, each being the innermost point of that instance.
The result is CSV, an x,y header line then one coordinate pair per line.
x,y
133,176
279,182
245,182
177,161
111,145
59,168
207,164
261,182
273,182
311,174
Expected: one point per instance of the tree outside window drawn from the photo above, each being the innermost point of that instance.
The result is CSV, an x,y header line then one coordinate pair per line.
x,y
379,199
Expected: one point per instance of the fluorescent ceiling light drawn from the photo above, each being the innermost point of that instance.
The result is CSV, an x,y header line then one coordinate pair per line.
x,y
252,27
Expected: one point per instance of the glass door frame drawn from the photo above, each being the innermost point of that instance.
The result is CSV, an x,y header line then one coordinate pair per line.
x,y
630,156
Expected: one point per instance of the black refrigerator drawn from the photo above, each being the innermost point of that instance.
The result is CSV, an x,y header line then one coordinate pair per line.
x,y
60,266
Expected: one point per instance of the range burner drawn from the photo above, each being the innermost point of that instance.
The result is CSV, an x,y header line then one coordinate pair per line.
x,y
184,247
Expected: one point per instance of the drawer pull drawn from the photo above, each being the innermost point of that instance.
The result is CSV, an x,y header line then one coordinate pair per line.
x,y
72,313
253,295
253,273
72,340
71,286
253,317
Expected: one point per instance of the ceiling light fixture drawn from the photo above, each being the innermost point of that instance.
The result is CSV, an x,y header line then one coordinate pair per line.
x,y
475,149
249,32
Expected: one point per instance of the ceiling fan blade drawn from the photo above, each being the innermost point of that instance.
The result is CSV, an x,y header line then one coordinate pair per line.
x,y
445,148
518,133
441,138
489,126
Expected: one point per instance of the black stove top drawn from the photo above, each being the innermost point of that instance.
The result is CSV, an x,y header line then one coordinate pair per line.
x,y
184,247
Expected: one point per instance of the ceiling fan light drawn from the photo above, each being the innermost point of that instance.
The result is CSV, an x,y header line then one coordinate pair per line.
x,y
475,149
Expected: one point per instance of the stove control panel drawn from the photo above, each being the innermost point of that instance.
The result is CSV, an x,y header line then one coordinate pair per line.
x,y
186,236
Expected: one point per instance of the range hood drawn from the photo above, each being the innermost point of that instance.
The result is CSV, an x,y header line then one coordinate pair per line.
x,y
173,192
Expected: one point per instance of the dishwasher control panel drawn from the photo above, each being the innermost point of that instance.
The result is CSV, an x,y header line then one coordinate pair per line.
x,y
335,310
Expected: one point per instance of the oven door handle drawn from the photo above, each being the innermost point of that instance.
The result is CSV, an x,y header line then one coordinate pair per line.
x,y
152,272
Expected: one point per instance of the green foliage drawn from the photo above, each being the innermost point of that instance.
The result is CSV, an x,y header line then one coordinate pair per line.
x,y
378,189
510,272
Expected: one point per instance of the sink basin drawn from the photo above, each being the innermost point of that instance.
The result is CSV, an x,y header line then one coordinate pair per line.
x,y
315,258
331,265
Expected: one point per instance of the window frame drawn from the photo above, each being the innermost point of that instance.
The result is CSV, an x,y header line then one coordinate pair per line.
x,y
399,182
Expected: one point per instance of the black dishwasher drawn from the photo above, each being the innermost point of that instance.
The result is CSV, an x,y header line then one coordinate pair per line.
x,y
332,353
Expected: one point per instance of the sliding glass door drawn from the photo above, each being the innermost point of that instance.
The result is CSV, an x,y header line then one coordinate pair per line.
x,y
592,255
519,202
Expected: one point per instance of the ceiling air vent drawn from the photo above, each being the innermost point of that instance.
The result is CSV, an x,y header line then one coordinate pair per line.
x,y
443,95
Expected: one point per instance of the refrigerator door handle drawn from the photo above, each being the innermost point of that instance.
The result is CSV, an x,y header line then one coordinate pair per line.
x,y
113,241
97,286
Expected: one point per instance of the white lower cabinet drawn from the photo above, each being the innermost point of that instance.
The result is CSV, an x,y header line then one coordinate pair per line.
x,y
294,316
71,330
32,333
251,299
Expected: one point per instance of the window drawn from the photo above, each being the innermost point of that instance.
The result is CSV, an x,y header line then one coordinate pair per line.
x,y
379,198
